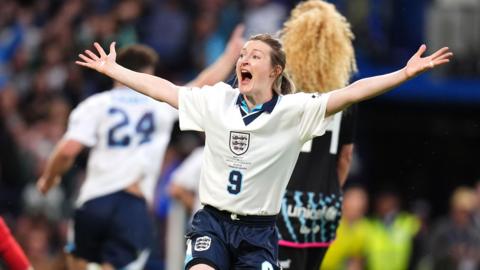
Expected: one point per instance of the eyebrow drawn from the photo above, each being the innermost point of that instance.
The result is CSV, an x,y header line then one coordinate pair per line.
x,y
243,49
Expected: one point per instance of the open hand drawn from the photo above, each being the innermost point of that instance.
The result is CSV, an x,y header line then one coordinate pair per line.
x,y
99,63
418,64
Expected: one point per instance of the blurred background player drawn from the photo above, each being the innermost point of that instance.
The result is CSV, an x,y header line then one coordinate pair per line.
x,y
128,133
123,129
184,185
320,58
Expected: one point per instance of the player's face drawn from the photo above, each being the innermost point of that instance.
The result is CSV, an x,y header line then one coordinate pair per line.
x,y
254,69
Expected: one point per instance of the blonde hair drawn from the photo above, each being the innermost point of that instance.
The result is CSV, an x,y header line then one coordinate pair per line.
x,y
318,44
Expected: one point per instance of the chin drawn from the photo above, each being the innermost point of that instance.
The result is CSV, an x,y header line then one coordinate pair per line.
x,y
244,89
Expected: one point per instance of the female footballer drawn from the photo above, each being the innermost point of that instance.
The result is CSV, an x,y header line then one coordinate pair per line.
x,y
254,134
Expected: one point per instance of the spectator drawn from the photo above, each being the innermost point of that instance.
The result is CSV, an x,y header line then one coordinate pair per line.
x,y
346,251
390,234
455,244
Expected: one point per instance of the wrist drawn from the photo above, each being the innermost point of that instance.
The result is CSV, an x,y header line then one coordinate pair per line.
x,y
406,75
109,69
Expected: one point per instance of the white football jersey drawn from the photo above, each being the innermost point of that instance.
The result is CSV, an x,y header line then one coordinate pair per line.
x,y
246,167
187,175
128,134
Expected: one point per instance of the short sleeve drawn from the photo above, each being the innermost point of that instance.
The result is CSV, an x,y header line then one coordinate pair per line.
x,y
83,122
313,122
193,103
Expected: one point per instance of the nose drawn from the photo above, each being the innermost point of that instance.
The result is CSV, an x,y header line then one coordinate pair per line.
x,y
245,60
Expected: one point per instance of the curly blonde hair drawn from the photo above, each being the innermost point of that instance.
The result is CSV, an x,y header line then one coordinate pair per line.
x,y
318,44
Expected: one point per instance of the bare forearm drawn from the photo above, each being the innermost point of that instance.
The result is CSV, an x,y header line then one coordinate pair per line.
x,y
374,86
364,89
152,86
224,65
60,161
344,163
187,198
377,85
57,165
218,71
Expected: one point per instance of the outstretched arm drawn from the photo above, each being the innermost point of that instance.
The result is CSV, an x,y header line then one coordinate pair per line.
x,y
152,86
371,87
224,65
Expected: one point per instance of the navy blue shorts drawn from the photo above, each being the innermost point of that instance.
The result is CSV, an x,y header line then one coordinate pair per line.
x,y
226,242
114,228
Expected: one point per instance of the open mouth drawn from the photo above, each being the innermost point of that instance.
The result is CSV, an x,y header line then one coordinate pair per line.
x,y
246,76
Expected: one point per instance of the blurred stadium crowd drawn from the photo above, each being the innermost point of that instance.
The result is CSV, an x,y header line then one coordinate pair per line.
x,y
40,84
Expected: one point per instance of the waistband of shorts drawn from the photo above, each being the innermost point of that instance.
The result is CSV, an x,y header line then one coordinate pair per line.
x,y
244,219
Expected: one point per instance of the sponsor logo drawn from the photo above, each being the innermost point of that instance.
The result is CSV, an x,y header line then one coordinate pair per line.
x,y
239,142
328,213
202,243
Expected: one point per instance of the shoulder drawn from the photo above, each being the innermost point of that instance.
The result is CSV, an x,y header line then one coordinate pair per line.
x,y
300,99
95,100
91,104
303,97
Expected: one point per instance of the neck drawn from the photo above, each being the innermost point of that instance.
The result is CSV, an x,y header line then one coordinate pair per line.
x,y
254,100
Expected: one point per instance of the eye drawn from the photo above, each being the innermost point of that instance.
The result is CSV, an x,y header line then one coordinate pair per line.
x,y
256,57
241,55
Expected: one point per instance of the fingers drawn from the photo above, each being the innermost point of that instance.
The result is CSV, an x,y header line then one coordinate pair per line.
x,y
439,53
441,62
100,50
83,64
421,50
444,56
92,55
85,58
112,48
238,31
41,186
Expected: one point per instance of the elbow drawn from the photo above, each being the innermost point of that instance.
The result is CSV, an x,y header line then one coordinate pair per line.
x,y
69,149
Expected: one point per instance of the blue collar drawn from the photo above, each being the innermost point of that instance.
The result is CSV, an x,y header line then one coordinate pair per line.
x,y
249,115
267,106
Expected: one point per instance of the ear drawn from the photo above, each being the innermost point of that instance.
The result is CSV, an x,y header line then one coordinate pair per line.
x,y
276,71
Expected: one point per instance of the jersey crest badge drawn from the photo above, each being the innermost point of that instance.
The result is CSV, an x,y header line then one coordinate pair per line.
x,y
239,142
202,243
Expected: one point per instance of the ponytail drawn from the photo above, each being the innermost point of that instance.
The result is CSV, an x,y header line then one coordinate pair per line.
x,y
284,85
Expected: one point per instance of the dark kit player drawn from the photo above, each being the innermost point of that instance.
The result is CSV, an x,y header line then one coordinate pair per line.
x,y
320,58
